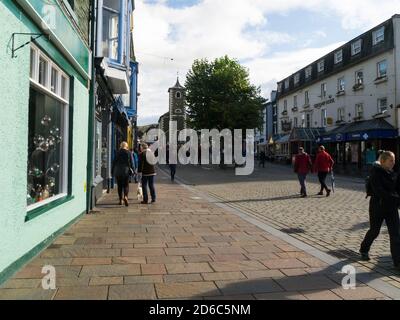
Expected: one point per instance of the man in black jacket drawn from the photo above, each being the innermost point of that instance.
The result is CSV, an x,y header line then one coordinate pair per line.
x,y
384,204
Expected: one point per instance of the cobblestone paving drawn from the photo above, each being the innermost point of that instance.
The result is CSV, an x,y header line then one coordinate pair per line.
x,y
335,225
182,247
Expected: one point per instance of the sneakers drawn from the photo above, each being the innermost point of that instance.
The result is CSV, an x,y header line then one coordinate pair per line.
x,y
364,256
328,193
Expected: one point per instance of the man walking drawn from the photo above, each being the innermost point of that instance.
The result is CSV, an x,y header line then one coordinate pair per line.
x,y
302,166
323,165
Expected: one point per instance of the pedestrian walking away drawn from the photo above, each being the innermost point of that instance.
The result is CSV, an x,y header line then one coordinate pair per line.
x,y
262,159
384,188
172,166
323,166
302,166
122,168
147,170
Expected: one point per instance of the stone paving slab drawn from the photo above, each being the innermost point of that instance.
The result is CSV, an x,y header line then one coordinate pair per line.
x,y
183,247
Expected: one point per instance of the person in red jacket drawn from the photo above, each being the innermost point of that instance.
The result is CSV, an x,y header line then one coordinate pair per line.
x,y
302,166
323,165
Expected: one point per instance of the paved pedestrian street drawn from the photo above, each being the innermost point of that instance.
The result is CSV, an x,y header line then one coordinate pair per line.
x,y
191,246
335,225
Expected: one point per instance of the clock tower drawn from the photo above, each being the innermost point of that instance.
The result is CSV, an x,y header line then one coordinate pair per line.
x,y
177,105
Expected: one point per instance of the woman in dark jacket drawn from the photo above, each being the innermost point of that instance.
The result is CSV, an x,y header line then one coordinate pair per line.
x,y
385,195
121,169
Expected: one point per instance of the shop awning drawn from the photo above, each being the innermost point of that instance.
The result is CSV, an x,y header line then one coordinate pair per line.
x,y
284,139
360,131
306,134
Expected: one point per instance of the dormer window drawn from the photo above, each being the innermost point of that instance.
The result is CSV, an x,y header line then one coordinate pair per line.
x,y
338,56
321,66
356,47
296,78
378,35
286,84
308,72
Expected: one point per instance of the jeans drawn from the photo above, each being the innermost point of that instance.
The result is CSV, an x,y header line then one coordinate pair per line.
x,y
150,181
302,180
123,186
322,178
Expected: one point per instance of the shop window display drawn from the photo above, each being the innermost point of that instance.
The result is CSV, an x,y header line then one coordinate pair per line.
x,y
47,131
45,147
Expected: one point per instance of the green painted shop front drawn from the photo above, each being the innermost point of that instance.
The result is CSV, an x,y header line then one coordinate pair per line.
x,y
44,101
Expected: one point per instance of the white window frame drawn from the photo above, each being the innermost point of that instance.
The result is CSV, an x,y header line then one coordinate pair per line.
x,y
380,109
338,56
296,78
358,105
341,114
324,88
378,35
308,72
378,69
324,115
357,78
308,123
321,65
356,47
46,89
341,84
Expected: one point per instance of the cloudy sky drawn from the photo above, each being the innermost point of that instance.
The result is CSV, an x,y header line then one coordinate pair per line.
x,y
272,38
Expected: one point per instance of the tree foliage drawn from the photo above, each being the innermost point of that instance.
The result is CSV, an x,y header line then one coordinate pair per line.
x,y
219,95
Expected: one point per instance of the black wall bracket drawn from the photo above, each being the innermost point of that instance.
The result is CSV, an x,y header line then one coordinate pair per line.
x,y
33,36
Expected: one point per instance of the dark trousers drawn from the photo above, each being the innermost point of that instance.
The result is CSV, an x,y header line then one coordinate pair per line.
x,y
172,168
123,186
322,178
148,180
302,180
376,218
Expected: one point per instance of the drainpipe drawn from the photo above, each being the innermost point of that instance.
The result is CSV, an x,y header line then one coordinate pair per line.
x,y
92,107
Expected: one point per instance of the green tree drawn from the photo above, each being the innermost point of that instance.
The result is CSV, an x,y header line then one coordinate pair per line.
x,y
219,95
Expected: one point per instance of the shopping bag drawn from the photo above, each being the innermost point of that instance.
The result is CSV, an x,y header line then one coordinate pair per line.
x,y
139,192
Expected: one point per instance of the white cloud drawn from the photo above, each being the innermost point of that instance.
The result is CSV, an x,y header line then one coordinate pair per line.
x,y
239,29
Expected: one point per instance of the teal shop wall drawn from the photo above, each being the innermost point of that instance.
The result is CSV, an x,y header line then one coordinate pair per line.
x,y
18,237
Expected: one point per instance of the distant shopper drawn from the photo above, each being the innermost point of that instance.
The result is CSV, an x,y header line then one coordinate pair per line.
x,y
262,159
122,168
172,166
146,168
302,166
323,165
384,189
